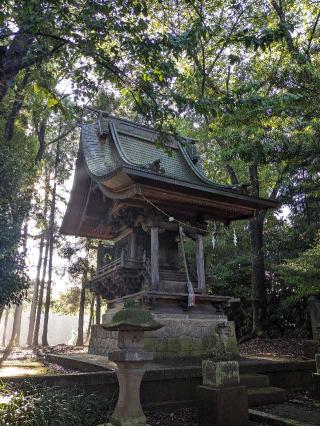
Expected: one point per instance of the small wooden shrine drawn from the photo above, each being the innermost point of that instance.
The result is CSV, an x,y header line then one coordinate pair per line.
x,y
146,192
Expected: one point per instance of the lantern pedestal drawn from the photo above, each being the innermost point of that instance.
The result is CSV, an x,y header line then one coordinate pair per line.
x,y
131,323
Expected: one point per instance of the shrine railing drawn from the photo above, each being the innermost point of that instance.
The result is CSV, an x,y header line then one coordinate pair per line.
x,y
121,262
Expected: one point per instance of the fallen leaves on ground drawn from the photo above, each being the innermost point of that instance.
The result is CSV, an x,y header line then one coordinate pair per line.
x,y
273,348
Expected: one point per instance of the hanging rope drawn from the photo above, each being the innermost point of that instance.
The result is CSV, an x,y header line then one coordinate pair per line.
x,y
171,218
191,296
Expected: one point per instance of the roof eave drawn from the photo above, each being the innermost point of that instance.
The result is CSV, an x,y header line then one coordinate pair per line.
x,y
261,203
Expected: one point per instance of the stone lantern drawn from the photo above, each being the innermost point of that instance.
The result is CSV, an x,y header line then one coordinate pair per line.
x,y
131,323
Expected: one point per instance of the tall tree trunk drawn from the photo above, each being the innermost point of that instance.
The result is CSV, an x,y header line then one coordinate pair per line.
x,y
33,331
35,341
258,284
81,312
35,295
51,245
90,318
16,327
4,335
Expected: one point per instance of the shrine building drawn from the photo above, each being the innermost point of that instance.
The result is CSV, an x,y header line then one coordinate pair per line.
x,y
145,192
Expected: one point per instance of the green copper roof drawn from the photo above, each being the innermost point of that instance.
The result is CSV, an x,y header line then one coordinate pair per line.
x,y
115,151
114,143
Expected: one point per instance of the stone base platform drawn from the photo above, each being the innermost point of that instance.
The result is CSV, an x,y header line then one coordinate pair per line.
x,y
185,335
174,382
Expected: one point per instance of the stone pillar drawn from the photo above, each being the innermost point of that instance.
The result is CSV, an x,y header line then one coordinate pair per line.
x,y
131,323
98,309
154,257
200,263
221,399
128,409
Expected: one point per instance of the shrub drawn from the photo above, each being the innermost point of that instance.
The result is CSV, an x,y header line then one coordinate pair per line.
x,y
51,406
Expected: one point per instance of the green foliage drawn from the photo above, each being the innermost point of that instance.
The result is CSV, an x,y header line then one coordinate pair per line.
x,y
43,406
303,272
240,77
67,303
17,177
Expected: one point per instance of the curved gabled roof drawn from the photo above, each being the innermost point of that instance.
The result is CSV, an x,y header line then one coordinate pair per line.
x,y
114,142
121,159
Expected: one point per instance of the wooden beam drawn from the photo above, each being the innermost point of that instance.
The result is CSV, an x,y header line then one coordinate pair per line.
x,y
230,208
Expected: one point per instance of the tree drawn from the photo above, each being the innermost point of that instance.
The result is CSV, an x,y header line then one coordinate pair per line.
x,y
5,325
243,86
303,272
51,232
17,177
80,257
35,339
16,327
40,43
35,295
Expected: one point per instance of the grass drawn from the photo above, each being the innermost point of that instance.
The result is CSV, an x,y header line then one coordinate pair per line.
x,y
50,406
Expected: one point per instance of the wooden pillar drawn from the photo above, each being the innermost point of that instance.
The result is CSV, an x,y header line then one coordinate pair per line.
x,y
200,263
154,257
133,246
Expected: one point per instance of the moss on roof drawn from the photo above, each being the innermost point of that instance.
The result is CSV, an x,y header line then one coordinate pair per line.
x,y
121,143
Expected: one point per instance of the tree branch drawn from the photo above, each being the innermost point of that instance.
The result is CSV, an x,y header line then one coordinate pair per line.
x,y
314,27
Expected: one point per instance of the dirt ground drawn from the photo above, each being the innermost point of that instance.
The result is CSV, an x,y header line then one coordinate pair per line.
x,y
300,407
179,417
287,348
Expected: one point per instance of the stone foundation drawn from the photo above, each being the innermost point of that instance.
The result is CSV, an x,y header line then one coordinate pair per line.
x,y
183,336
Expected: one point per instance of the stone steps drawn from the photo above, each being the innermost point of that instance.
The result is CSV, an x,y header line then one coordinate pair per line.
x,y
267,395
175,286
254,380
260,392
174,275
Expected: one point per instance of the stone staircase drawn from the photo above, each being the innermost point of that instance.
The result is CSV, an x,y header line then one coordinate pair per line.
x,y
174,281
260,392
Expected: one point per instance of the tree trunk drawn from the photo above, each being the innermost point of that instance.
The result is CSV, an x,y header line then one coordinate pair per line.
x,y
51,245
15,334
16,328
13,59
35,341
258,284
48,294
81,313
90,318
35,295
33,332
16,107
4,335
